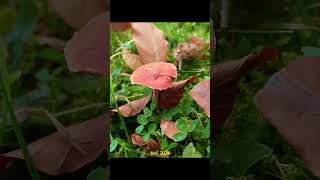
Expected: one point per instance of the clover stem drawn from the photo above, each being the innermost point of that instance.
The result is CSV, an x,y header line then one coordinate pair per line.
x,y
5,85
117,107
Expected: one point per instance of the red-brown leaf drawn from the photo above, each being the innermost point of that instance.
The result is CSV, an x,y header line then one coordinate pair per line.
x,y
169,128
88,48
171,97
134,107
120,26
291,102
77,13
225,81
201,95
151,145
132,60
150,42
69,148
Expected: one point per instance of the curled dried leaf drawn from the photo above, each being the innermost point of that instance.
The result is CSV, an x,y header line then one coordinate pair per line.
x,y
132,108
171,97
150,145
169,128
132,60
201,95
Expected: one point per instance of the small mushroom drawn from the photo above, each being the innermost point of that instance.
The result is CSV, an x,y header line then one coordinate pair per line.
x,y
157,76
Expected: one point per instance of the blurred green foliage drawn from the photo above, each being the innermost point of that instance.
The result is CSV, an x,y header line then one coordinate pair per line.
x,y
40,78
262,22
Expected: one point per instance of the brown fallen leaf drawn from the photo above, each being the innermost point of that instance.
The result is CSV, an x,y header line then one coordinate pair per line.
x,y
88,48
201,95
120,26
150,42
225,81
171,97
132,108
151,145
169,128
291,102
77,13
132,60
67,150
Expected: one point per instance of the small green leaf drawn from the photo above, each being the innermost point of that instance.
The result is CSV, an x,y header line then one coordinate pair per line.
x,y
146,137
187,110
116,72
98,174
142,120
167,116
191,152
173,145
206,132
113,145
182,125
43,76
147,112
180,136
147,91
139,129
164,144
14,76
152,127
153,105
193,125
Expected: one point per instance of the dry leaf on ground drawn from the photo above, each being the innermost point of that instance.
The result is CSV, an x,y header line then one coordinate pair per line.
x,y
132,108
291,102
151,145
67,150
171,97
225,81
150,42
201,95
88,49
169,128
132,60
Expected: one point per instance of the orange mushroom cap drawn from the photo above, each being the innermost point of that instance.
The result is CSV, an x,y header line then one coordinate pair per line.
x,y
158,75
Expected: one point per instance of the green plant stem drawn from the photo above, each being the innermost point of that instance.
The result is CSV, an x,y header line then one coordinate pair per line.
x,y
119,113
4,122
8,102
279,167
119,53
77,109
